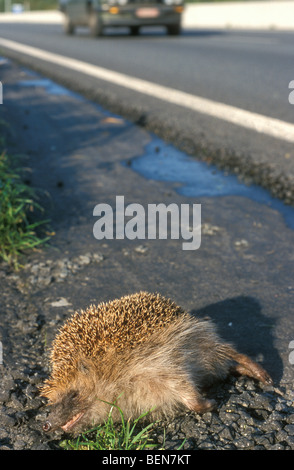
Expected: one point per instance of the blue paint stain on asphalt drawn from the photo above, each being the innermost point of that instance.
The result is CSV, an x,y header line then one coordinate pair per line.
x,y
49,86
163,162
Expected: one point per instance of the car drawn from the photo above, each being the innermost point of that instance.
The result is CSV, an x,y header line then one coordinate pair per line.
x,y
99,14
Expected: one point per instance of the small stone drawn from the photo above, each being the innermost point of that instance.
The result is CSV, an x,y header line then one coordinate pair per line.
x,y
85,259
277,447
3,434
241,243
30,391
290,418
35,268
229,417
281,435
40,446
244,443
207,417
226,434
98,257
141,249
62,274
275,425
62,302
206,445
6,420
15,402
209,229
19,444
290,429
4,395
290,441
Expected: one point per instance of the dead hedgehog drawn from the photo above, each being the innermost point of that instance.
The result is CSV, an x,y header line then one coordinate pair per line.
x,y
141,352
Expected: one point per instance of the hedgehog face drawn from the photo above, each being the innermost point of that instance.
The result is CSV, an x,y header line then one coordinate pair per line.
x,y
66,413
72,406
80,401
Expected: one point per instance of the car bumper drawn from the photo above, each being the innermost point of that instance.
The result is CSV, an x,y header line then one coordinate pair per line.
x,y
140,16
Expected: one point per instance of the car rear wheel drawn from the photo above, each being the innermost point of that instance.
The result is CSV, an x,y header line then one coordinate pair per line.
x,y
174,29
68,26
95,25
134,30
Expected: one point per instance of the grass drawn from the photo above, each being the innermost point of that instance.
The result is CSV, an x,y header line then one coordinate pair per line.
x,y
18,206
111,436
34,4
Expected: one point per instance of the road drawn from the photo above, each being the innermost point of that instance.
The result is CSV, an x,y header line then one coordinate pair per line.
x,y
79,154
249,71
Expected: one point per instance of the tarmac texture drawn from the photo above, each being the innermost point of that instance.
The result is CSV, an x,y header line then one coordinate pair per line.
x,y
78,155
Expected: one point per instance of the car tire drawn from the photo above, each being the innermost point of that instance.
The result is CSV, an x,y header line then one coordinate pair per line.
x,y
68,26
134,30
174,29
95,25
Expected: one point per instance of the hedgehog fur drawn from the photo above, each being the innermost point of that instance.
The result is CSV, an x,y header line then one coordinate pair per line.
x,y
142,352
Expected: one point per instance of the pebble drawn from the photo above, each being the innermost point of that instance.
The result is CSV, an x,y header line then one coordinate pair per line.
x,y
241,243
142,249
62,302
209,229
44,273
227,433
290,429
290,419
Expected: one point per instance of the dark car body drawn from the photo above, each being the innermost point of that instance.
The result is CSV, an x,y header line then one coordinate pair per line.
x,y
98,14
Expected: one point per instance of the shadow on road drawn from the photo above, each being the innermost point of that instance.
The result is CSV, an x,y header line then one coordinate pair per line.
x,y
240,321
147,32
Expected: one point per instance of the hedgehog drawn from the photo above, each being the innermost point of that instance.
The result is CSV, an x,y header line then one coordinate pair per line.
x,y
141,352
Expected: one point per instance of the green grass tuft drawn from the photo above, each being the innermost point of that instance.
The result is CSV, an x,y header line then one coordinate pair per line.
x,y
17,206
111,436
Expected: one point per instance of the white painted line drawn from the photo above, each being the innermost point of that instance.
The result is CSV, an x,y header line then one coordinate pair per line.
x,y
257,122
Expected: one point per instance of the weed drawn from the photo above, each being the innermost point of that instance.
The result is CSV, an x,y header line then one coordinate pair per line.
x,y
126,435
17,206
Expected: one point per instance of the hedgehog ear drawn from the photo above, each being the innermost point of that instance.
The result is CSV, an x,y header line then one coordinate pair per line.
x,y
83,366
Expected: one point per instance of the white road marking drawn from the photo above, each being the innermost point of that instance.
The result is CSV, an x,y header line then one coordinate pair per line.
x,y
240,117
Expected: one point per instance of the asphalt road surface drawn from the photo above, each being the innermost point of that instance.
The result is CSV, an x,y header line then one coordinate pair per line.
x,y
79,154
249,71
